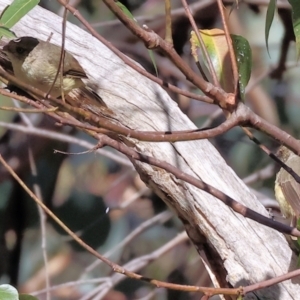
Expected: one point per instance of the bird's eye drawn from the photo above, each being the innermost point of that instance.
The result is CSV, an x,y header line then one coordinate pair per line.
x,y
20,50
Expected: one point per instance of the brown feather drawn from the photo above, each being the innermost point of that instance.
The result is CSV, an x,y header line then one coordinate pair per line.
x,y
290,187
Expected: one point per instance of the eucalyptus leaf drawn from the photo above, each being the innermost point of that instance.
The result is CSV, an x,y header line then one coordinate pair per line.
x,y
16,11
218,51
8,292
151,54
4,31
243,56
216,47
125,10
269,20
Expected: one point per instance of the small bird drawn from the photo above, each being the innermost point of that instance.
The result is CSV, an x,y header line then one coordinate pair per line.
x,y
36,62
287,189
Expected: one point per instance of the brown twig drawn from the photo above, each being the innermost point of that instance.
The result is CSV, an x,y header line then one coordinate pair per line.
x,y
66,138
28,110
177,12
236,206
107,126
168,16
60,67
272,281
272,155
273,131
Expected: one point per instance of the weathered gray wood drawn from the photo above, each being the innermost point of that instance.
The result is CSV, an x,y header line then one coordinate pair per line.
x,y
250,252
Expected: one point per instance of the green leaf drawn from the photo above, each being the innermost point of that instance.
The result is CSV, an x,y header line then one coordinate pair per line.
x,y
8,292
150,52
296,23
17,10
269,20
217,49
243,56
216,46
4,31
3,11
125,10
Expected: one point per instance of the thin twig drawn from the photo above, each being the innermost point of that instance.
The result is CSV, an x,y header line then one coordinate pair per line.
x,y
233,204
168,17
161,217
37,190
68,139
